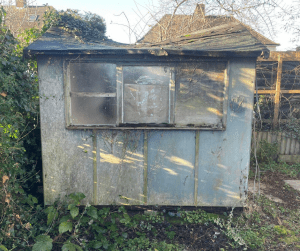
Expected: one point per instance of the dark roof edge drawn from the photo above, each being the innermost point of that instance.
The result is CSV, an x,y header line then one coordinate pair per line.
x,y
151,51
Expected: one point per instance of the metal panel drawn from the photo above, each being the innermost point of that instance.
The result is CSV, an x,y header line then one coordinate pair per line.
x,y
67,155
224,156
120,168
171,159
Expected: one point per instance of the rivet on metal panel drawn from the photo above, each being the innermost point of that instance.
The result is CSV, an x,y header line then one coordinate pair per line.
x,y
145,166
197,142
95,195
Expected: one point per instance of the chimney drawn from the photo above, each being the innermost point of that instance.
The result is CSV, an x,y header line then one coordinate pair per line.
x,y
200,10
20,3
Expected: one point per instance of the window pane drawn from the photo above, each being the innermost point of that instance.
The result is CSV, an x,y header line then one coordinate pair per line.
x,y
146,94
200,94
93,77
93,111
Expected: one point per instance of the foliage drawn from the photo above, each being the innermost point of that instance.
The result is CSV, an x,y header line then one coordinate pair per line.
x,y
21,218
87,26
18,119
267,152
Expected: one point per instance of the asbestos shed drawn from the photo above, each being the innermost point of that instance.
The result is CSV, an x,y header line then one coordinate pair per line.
x,y
155,124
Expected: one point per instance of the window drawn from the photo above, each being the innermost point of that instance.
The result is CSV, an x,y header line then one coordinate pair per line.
x,y
182,95
33,18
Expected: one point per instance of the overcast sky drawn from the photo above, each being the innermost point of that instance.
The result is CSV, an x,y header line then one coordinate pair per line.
x,y
117,25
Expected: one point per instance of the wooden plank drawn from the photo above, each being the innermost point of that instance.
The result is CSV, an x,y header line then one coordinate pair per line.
x,y
290,158
266,91
292,149
254,140
290,91
297,147
274,137
279,138
277,94
286,56
283,144
144,127
258,139
264,136
288,146
269,137
93,94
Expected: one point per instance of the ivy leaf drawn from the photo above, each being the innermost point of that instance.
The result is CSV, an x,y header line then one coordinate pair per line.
x,y
65,226
92,211
74,212
97,244
3,248
71,247
43,243
77,197
52,214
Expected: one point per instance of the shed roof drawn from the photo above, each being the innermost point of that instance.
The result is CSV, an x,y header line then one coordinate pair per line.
x,y
229,40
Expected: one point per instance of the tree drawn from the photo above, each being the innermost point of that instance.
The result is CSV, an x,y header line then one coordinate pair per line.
x,y
261,15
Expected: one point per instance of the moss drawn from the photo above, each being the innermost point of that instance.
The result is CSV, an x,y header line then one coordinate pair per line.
x,y
282,230
290,240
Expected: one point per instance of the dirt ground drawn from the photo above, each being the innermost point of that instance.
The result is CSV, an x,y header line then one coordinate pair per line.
x,y
273,187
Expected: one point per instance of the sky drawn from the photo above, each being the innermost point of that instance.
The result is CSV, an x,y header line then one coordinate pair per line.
x,y
117,25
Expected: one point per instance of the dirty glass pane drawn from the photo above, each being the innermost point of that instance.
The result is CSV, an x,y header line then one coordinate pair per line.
x,y
146,94
266,75
290,75
93,111
200,94
93,77
289,106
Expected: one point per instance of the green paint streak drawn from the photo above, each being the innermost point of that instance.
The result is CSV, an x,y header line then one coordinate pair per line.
x,y
95,180
145,166
196,166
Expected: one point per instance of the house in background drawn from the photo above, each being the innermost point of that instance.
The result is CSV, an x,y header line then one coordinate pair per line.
x,y
23,16
172,26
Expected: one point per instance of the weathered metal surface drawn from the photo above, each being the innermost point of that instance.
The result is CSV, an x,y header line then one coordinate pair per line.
x,y
224,156
120,169
171,160
67,155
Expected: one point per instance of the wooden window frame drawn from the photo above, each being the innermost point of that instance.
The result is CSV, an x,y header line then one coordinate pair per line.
x,y
120,96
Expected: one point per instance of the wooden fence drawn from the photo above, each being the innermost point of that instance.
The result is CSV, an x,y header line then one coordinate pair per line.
x,y
278,80
288,147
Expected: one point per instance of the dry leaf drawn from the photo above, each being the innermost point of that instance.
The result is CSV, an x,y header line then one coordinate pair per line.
x,y
5,178
28,226
3,94
11,227
7,200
